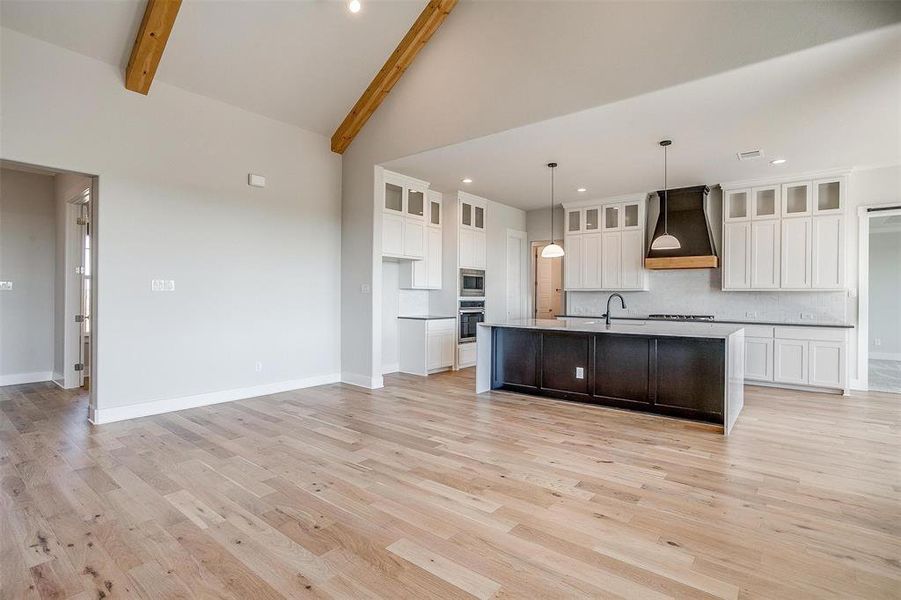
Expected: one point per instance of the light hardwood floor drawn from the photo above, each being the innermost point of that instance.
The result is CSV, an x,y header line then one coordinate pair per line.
x,y
424,490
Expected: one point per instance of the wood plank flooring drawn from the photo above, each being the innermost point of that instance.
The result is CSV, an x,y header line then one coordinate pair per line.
x,y
425,490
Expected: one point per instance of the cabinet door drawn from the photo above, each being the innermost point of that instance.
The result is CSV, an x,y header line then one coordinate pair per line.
x,y
736,256
591,261
631,213
795,267
465,214
416,203
433,351
827,253
765,202
467,249
480,256
827,364
478,220
736,205
394,198
433,258
434,208
574,220
759,358
612,259
414,238
572,263
612,217
633,273
796,199
392,234
790,361
592,219
765,256
828,196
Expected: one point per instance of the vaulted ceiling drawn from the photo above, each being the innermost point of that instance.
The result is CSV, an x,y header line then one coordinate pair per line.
x,y
303,62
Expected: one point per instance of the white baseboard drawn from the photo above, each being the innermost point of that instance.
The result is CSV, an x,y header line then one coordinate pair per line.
x,y
885,355
156,407
388,369
20,378
363,381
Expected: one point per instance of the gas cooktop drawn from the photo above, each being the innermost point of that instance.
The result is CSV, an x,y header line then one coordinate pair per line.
x,y
682,317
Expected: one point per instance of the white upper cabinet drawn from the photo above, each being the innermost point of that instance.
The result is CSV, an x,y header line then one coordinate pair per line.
x,y
796,240
766,202
605,246
796,199
828,196
472,222
827,255
796,247
403,216
766,242
736,205
737,256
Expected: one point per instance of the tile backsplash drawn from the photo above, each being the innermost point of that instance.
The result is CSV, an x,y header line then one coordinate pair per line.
x,y
698,291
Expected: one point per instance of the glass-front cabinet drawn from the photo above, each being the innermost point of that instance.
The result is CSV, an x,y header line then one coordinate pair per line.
x,y
796,199
765,202
404,216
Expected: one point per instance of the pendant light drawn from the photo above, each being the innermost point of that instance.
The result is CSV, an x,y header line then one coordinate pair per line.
x,y
552,250
665,241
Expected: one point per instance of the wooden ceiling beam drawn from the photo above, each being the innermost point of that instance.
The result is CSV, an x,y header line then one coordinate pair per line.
x,y
426,25
159,17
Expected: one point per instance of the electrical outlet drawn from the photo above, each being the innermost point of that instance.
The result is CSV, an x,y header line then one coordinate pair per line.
x,y
259,367
877,342
170,285
157,285
364,288
751,315
6,286
806,316
580,373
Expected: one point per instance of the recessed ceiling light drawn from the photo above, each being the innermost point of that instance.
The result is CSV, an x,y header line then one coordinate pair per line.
x,y
581,190
354,6
778,161
467,180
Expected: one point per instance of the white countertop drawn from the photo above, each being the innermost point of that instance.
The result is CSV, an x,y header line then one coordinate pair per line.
x,y
651,328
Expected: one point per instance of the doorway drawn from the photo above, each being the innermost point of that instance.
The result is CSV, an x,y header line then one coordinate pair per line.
x,y
547,274
49,266
879,337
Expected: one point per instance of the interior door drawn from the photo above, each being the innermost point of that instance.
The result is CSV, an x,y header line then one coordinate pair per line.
x,y
548,286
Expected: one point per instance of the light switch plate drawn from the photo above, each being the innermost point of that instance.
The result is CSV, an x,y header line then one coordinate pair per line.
x,y
6,286
157,285
255,180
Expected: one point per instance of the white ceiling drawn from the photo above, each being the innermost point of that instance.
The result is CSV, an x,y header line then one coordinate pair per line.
x,y
301,62
833,106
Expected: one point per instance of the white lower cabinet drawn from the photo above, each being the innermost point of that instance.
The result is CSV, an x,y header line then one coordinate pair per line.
x,y
827,364
466,355
426,345
759,358
805,356
790,361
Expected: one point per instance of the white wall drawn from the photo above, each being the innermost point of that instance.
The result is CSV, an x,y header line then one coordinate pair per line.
x,y
885,293
256,270
538,224
27,258
499,219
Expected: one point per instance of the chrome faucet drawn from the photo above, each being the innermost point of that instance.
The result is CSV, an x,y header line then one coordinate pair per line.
x,y
612,296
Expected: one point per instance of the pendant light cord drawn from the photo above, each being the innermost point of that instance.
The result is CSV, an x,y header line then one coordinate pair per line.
x,y
665,199
552,205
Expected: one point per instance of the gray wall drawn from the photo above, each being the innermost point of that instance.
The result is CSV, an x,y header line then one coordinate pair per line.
x,y
885,292
256,270
538,224
27,258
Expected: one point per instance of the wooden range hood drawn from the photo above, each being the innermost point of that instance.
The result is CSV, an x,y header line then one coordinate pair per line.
x,y
688,222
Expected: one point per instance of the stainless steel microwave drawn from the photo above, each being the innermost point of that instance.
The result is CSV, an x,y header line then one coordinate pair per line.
x,y
472,282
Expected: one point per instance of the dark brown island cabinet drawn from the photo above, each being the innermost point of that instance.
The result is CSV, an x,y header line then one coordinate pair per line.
x,y
687,370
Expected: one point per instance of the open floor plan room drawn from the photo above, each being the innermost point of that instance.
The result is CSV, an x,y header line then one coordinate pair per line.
x,y
401,299
425,489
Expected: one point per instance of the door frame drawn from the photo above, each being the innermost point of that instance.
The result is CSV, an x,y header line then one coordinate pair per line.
x,y
533,278
864,214
524,271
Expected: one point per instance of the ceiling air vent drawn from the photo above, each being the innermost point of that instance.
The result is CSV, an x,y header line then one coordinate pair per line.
x,y
750,154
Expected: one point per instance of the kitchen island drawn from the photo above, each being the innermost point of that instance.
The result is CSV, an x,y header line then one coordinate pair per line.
x,y
688,370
